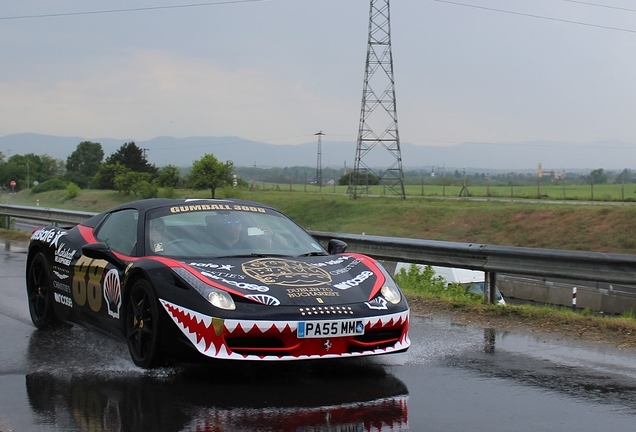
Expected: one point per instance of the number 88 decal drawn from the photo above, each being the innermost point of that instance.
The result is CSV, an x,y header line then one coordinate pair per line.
x,y
87,278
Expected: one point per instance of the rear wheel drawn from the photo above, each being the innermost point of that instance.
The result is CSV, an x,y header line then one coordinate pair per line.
x,y
40,293
142,325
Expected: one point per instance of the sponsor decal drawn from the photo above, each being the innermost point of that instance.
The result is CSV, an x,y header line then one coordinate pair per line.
x,y
226,267
266,299
61,287
227,275
332,262
62,299
312,292
64,256
277,271
345,269
60,275
377,303
242,285
351,283
207,207
49,236
112,292
87,278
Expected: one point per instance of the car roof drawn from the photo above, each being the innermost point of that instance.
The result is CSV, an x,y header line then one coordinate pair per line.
x,y
145,205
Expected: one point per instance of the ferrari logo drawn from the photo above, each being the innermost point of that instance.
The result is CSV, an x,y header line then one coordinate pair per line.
x,y
327,345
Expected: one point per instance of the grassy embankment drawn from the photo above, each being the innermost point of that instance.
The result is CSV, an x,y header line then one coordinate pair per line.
x,y
603,228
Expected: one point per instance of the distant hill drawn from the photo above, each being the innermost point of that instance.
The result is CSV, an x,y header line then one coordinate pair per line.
x,y
609,155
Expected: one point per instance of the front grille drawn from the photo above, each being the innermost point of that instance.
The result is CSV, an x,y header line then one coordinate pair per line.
x,y
325,310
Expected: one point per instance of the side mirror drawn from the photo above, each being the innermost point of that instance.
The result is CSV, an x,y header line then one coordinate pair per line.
x,y
336,246
102,251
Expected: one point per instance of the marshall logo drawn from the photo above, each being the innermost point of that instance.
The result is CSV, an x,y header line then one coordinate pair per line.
x,y
64,256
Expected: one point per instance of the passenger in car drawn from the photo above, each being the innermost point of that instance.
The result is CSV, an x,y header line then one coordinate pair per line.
x,y
157,234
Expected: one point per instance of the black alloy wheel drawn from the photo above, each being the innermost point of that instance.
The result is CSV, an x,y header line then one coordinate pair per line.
x,y
142,325
40,294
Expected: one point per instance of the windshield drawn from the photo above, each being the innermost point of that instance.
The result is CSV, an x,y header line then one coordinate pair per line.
x,y
225,231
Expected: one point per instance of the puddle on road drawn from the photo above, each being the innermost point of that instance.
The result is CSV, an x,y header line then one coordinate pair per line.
x,y
579,369
79,380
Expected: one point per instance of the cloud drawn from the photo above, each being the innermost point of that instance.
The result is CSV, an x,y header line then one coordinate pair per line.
x,y
143,94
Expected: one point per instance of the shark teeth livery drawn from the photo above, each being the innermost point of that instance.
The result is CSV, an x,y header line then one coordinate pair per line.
x,y
208,334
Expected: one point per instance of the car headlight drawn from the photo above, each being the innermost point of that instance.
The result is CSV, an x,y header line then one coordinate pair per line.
x,y
216,297
391,293
221,299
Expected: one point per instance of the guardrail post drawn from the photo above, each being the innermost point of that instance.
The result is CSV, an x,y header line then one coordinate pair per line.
x,y
491,287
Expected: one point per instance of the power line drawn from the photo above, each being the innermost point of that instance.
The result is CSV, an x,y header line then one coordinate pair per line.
x,y
537,16
140,9
600,5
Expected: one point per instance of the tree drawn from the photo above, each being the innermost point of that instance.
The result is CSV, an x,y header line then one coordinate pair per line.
x,y
208,172
28,168
133,158
127,181
168,176
598,176
364,179
105,177
84,162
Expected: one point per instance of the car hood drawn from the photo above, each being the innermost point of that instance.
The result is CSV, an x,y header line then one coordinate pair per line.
x,y
335,279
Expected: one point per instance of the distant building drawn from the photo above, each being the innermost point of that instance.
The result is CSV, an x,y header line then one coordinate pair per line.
x,y
550,174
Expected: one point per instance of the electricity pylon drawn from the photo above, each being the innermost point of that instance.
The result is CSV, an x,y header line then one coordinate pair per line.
x,y
378,117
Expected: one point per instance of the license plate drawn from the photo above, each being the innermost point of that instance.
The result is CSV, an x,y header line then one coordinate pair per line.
x,y
319,329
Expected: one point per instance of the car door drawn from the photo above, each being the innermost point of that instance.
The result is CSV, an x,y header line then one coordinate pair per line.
x,y
97,284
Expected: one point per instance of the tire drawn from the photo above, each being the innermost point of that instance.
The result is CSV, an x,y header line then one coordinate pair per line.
x,y
142,325
40,294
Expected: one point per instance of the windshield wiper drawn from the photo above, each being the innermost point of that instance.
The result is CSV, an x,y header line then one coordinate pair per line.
x,y
258,255
308,254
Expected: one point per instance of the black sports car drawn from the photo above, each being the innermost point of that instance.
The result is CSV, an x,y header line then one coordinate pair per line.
x,y
225,279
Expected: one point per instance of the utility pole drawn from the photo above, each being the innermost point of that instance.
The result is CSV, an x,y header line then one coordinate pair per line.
x,y
319,161
378,116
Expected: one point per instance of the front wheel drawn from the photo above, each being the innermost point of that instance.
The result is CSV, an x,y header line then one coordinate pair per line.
x,y
40,294
142,325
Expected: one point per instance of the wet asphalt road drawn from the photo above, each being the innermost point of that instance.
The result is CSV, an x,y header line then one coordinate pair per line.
x,y
454,378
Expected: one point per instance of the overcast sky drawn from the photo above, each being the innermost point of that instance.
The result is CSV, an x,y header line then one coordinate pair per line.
x,y
279,71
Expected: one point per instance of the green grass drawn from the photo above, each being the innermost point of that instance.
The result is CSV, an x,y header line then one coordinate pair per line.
x,y
568,192
600,228
427,293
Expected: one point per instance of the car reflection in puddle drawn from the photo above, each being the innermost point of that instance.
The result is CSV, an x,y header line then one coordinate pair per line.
x,y
339,395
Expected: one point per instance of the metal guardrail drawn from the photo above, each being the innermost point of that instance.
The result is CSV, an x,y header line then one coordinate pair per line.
x,y
56,216
517,261
587,266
